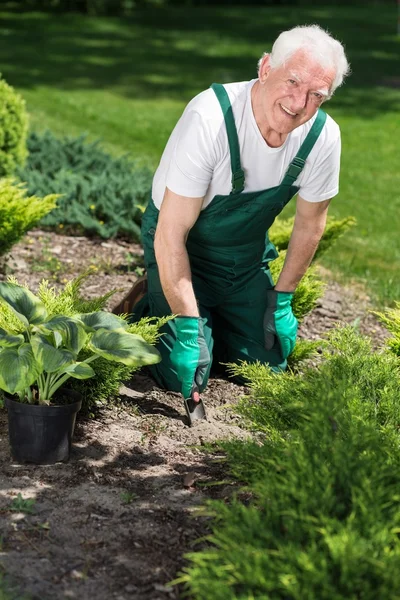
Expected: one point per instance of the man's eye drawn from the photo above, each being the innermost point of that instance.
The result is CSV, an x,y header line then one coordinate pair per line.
x,y
318,96
292,81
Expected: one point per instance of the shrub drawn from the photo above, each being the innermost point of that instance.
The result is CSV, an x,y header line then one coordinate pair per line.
x,y
101,195
281,230
322,510
307,292
276,400
322,522
19,212
69,302
13,130
391,319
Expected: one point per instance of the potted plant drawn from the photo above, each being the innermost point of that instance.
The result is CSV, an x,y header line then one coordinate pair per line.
x,y
39,356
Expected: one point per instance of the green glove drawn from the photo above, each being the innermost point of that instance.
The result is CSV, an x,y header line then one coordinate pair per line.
x,y
280,324
190,355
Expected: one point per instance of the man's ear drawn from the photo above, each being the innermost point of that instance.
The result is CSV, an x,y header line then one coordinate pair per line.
x,y
264,68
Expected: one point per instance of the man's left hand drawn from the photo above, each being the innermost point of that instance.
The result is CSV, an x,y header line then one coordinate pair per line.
x,y
280,324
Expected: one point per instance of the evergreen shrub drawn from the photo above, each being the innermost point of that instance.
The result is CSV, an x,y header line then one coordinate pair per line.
x,y
391,319
13,130
19,212
104,386
277,400
323,520
307,292
322,512
101,195
310,288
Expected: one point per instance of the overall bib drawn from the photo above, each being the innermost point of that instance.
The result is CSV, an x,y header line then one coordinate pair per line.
x,y
229,253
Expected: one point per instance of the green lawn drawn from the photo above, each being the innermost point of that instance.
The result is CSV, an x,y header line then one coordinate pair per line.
x,y
128,80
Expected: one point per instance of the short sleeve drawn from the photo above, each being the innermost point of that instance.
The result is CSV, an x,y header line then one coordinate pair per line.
x,y
193,158
323,180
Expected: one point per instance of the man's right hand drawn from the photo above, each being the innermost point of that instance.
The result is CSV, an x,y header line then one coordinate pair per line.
x,y
190,355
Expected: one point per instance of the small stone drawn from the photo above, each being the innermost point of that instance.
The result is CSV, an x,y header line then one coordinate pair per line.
x,y
130,588
189,479
163,588
19,263
99,517
77,574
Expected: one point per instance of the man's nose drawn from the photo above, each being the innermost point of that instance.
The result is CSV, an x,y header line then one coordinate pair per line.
x,y
299,100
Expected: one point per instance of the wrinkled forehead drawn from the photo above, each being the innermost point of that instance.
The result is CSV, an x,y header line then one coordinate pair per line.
x,y
306,68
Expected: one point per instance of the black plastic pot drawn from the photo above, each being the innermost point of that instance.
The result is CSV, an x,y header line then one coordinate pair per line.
x,y
42,434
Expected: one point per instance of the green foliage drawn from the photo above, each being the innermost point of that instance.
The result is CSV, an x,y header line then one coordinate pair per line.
x,y
391,319
9,592
21,504
19,213
67,301
13,130
322,510
281,230
49,349
109,375
101,195
307,292
277,400
303,350
323,520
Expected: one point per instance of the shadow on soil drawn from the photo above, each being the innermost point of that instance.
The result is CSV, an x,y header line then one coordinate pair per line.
x,y
116,520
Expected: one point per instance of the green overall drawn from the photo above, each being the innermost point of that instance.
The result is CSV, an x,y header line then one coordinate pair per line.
x,y
229,253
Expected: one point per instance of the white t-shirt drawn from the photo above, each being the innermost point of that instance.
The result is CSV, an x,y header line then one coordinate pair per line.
x,y
196,159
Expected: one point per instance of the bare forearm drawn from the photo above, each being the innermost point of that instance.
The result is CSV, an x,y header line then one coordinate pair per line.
x,y
302,246
175,276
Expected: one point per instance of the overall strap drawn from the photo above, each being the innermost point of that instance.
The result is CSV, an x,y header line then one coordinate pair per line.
x,y
237,171
297,164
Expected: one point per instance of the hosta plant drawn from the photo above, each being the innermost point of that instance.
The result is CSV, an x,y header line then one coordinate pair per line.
x,y
36,362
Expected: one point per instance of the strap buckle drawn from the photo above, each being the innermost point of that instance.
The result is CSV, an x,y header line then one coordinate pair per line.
x,y
295,167
237,181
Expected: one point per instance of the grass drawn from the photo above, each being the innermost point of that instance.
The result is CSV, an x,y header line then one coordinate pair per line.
x,y
128,80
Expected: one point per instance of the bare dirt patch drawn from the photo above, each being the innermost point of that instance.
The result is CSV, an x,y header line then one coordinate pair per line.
x,y
116,520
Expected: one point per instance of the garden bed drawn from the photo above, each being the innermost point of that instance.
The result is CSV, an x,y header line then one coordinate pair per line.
x,y
116,520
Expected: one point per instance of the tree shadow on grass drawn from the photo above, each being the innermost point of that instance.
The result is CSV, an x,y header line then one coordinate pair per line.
x,y
175,53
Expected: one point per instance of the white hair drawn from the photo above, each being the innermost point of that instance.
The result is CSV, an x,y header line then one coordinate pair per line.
x,y
316,42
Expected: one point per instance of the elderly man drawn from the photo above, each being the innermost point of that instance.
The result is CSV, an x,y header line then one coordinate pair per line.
x,y
236,157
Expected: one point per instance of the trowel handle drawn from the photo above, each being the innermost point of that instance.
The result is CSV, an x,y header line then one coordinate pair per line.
x,y
194,393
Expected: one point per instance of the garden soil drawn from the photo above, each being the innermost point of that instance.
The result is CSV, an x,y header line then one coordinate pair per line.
x,y
116,521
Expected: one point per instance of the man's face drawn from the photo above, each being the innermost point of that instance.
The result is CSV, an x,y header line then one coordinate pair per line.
x,y
291,94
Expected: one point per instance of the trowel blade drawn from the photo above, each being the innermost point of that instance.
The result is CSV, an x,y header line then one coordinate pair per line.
x,y
194,406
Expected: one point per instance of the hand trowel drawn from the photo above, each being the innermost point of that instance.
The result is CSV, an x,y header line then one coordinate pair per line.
x,y
194,406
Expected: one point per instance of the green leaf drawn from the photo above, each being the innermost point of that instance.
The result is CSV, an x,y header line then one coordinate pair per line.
x,y
127,348
7,340
71,330
28,308
50,358
57,339
18,368
102,320
79,370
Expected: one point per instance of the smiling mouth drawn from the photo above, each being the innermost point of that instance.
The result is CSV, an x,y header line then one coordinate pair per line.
x,y
287,111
